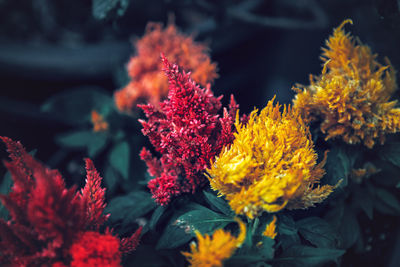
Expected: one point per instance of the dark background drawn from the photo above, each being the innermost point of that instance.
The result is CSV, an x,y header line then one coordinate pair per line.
x,y
262,49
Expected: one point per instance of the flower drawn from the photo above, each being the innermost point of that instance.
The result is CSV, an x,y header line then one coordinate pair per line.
x,y
270,165
46,218
145,69
351,96
95,249
99,124
187,131
270,229
211,251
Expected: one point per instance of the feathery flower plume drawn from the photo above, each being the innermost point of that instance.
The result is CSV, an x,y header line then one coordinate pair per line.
x,y
211,251
270,165
187,131
149,83
47,220
270,229
351,96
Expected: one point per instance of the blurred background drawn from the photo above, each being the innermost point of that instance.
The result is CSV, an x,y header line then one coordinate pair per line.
x,y
262,49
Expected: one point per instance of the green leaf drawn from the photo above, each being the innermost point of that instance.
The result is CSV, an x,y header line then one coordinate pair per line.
x,y
97,143
339,165
155,217
308,256
75,106
110,179
102,8
182,229
76,139
119,158
218,203
391,152
318,232
288,232
349,229
130,207
387,199
364,200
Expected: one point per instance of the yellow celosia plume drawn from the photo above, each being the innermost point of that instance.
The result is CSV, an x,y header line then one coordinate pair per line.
x,y
211,251
270,229
351,96
270,165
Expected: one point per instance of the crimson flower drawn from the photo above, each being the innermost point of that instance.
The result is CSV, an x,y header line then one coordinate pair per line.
x,y
187,131
48,222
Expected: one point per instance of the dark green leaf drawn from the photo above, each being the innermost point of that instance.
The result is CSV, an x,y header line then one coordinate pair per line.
x,y
288,233
218,203
158,212
266,249
387,199
128,208
75,106
111,179
391,153
318,232
96,144
349,229
203,220
102,8
308,256
182,229
250,259
119,158
77,139
339,165
364,200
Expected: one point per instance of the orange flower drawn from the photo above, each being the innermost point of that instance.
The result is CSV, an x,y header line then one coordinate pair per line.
x,y
351,96
145,69
99,124
212,251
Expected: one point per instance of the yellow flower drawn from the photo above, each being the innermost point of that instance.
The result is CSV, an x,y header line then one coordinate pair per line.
x,y
270,230
351,96
212,251
270,165
99,124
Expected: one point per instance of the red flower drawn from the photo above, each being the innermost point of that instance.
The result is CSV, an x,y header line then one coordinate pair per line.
x,y
95,249
145,69
187,131
46,217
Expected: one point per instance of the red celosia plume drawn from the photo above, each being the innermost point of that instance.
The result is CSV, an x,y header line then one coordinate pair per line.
x,y
187,131
149,83
47,220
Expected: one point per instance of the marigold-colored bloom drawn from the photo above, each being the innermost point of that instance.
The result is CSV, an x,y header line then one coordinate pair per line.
x,y
351,96
187,131
270,165
149,83
46,218
211,251
95,249
99,124
270,229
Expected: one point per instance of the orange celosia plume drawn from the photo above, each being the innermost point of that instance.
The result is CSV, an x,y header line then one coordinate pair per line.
x,y
145,69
